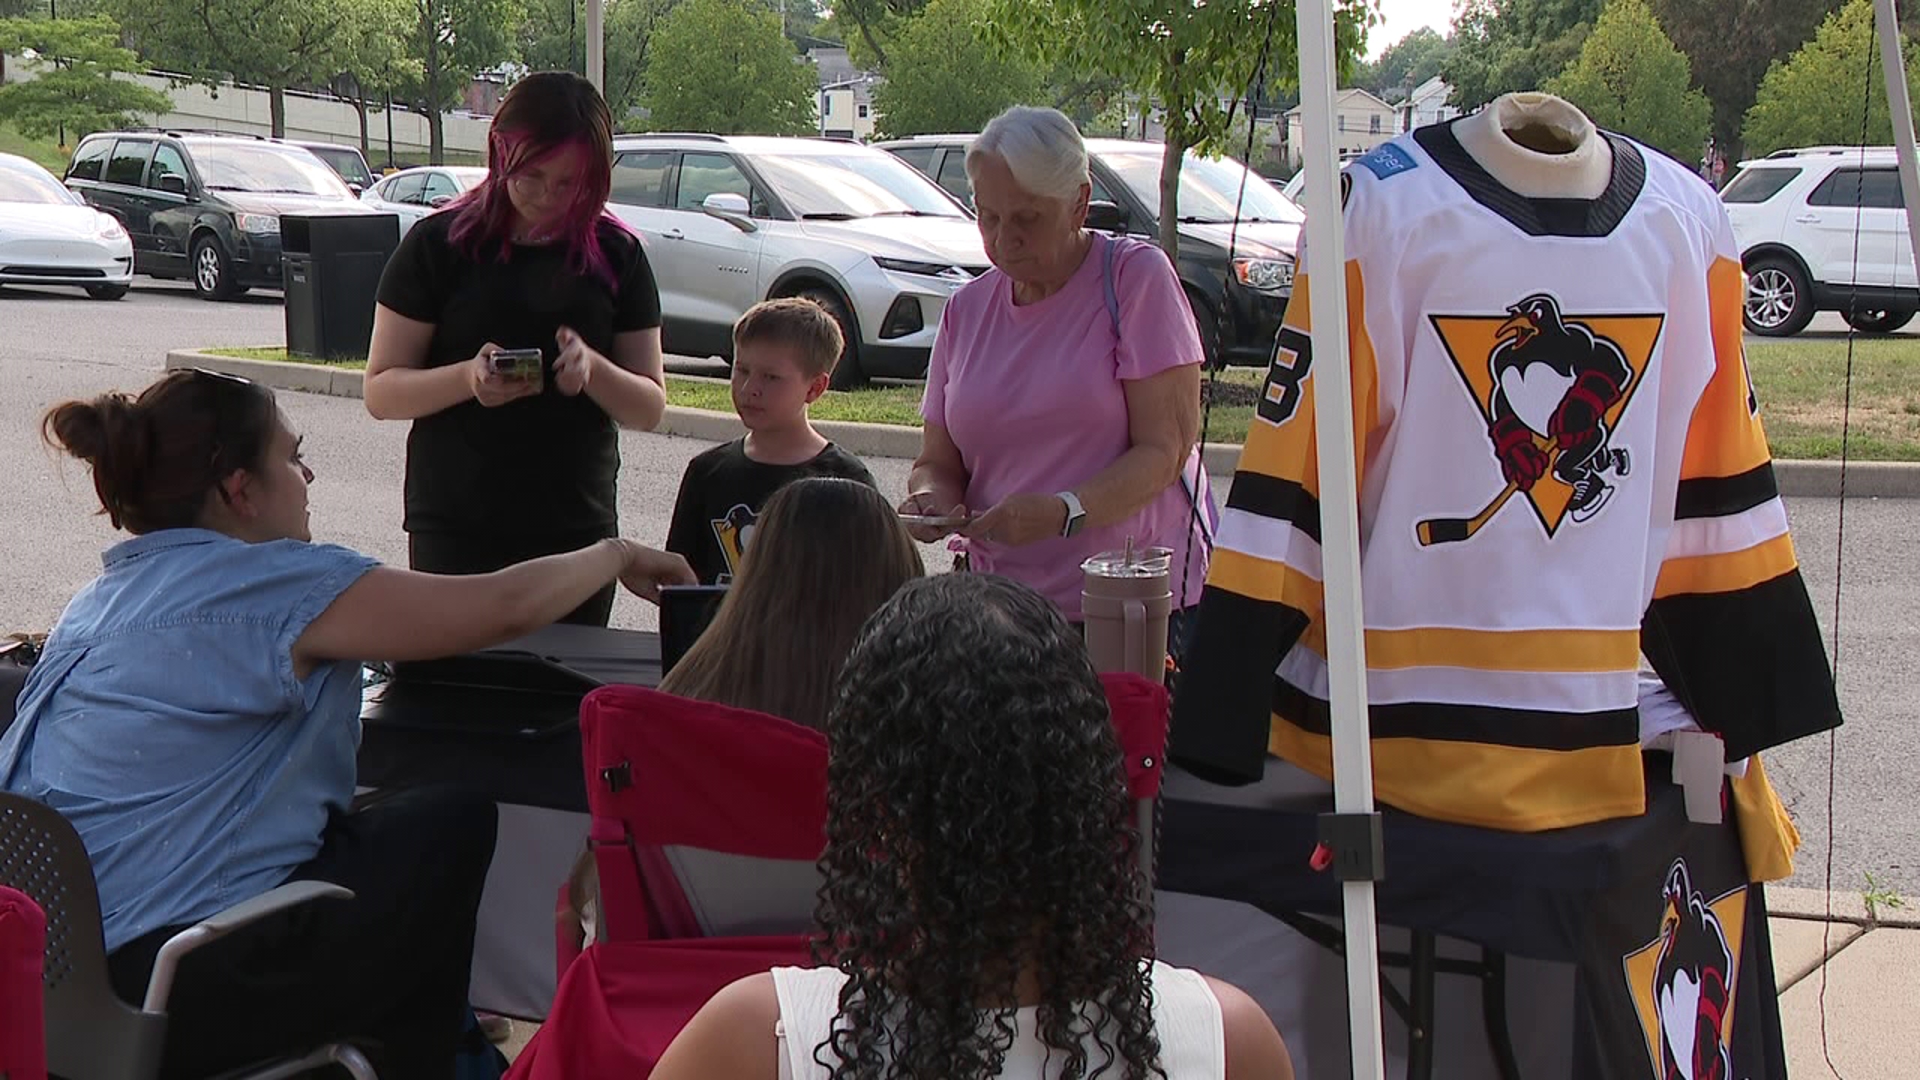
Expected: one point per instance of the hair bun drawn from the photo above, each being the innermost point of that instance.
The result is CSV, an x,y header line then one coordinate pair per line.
x,y
94,431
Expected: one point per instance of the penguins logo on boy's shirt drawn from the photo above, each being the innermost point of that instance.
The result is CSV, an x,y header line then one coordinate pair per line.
x,y
1551,388
733,533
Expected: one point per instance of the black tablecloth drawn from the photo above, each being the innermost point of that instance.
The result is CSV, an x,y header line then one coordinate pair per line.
x,y
1596,896
542,772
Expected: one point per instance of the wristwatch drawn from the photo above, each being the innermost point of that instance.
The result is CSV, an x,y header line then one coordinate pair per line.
x,y
1076,514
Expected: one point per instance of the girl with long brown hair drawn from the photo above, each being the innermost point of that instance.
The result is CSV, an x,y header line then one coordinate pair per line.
x,y
826,554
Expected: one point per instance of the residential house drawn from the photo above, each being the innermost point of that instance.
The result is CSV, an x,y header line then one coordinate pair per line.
x,y
844,100
1361,122
1427,105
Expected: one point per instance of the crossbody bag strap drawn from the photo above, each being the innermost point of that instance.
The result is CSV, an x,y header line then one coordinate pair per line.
x,y
1193,474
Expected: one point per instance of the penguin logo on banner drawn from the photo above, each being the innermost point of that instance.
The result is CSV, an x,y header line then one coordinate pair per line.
x,y
1682,982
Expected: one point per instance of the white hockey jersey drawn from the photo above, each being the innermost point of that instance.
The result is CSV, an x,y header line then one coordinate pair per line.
x,y
1562,467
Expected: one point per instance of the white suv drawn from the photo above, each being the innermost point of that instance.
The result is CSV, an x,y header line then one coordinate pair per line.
x,y
1796,215
729,221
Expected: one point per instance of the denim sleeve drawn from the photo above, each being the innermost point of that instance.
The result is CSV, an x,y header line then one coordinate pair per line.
x,y
312,576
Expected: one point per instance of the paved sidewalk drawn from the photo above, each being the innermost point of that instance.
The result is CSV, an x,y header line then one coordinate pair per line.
x,y
1869,976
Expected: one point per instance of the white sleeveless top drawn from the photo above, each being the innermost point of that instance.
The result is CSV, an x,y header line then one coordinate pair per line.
x,y
1186,1018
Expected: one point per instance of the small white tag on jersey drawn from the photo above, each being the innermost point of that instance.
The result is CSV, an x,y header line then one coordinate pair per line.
x,y
1699,767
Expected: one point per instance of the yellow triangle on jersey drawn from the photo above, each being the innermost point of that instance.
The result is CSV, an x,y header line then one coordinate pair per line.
x,y
1470,341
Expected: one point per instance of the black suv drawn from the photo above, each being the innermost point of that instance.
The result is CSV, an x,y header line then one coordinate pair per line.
x,y
345,160
205,207
1237,303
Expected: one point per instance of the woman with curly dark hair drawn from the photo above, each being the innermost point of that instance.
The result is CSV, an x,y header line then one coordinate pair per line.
x,y
981,916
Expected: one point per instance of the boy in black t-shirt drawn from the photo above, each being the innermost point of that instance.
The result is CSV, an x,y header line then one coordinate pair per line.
x,y
783,355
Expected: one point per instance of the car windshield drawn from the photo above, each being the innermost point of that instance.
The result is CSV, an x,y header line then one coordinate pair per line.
x,y
26,185
229,167
854,185
1207,187
345,162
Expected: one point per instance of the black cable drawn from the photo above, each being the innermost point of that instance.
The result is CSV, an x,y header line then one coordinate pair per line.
x,y
1840,536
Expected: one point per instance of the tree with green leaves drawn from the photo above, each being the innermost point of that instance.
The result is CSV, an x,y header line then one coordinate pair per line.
x,y
454,40
1817,95
75,92
270,43
1629,78
870,26
943,75
1504,46
1196,62
1407,63
724,66
1731,43
553,38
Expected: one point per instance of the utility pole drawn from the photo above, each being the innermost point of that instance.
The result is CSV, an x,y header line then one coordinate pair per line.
x,y
53,12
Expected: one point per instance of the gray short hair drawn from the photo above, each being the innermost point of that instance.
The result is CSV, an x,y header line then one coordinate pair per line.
x,y
1041,147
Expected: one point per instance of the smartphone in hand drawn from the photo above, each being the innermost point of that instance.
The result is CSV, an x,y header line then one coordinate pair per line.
x,y
522,364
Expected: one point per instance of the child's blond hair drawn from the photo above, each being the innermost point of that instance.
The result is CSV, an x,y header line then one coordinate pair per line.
x,y
794,320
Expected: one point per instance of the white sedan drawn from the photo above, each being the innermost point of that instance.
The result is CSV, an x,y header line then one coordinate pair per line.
x,y
412,194
50,236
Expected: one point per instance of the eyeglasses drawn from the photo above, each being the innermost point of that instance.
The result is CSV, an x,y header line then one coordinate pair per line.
x,y
537,187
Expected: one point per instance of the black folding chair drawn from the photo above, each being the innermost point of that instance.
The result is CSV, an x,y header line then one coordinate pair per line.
x,y
91,1033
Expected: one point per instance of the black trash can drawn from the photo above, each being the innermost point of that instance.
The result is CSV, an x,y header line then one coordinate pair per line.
x,y
332,264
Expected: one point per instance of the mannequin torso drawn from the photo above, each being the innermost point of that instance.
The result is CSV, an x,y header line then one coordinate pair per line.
x,y
1538,146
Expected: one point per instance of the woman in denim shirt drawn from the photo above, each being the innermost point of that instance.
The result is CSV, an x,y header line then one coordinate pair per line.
x,y
195,714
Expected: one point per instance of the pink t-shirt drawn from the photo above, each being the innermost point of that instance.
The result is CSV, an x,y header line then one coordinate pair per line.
x,y
1032,397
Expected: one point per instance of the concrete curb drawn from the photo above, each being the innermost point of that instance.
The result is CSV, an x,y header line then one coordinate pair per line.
x,y
1848,907
1797,479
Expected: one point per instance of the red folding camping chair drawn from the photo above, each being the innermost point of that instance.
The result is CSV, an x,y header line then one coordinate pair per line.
x,y
707,824
23,946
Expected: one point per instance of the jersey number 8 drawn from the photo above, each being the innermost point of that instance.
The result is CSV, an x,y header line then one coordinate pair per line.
x,y
1292,359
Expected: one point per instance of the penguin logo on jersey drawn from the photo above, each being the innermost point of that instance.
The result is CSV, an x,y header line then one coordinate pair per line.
x,y
733,533
1550,387
1682,982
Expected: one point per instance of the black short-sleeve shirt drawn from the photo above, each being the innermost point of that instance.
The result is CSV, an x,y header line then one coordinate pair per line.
x,y
544,464
722,494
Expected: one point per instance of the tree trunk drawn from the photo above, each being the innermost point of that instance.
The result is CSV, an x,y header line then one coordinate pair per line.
x,y
277,109
1172,153
360,103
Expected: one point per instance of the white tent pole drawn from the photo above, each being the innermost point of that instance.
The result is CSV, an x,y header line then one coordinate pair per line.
x,y
597,44
1339,515
1887,21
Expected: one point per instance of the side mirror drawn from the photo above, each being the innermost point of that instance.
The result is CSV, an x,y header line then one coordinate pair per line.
x,y
173,184
1106,216
439,201
730,208
357,190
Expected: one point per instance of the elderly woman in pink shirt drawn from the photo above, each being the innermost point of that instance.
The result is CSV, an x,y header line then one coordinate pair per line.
x,y
1064,438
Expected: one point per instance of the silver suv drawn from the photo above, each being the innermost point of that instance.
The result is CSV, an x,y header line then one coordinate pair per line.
x,y
1823,228
729,221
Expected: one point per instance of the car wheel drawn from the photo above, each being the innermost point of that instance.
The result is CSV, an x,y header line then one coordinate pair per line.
x,y
1779,300
847,374
212,272
1883,321
1208,323
107,292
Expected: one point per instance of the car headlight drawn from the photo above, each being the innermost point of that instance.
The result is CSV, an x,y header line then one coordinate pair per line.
x,y
257,223
1264,275
944,271
110,228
